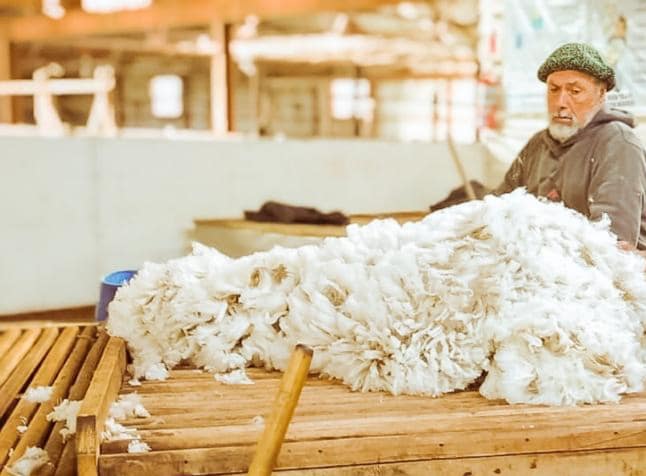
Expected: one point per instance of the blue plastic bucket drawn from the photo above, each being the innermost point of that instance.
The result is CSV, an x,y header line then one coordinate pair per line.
x,y
109,286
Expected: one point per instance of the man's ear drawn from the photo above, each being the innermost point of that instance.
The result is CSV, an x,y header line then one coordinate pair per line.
x,y
602,94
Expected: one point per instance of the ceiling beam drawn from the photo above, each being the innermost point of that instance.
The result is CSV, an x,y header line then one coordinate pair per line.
x,y
176,13
20,7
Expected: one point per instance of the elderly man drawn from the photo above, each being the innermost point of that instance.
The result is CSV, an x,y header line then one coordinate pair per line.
x,y
589,157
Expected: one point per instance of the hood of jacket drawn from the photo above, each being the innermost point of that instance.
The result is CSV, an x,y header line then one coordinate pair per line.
x,y
603,116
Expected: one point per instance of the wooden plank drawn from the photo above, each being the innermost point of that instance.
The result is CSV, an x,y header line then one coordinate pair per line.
x,y
379,427
58,317
294,229
306,445
94,410
24,325
321,399
196,418
207,428
169,14
25,369
55,443
44,377
59,87
11,358
38,428
67,462
594,463
216,461
84,377
8,339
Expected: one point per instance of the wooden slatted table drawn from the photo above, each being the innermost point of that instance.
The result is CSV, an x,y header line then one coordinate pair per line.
x,y
200,426
62,357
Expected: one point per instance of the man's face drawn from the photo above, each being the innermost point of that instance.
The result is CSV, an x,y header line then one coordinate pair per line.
x,y
573,98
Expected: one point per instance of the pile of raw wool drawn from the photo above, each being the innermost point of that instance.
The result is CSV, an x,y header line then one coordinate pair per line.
x,y
528,291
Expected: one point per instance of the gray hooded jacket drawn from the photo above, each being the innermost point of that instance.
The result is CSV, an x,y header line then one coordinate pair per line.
x,y
601,169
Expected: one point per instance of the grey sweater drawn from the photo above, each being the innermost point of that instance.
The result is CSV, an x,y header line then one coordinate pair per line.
x,y
601,169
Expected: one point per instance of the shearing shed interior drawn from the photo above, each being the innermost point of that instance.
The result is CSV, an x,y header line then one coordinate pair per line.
x,y
322,237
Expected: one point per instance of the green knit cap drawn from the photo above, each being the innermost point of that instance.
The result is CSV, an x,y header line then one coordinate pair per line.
x,y
578,57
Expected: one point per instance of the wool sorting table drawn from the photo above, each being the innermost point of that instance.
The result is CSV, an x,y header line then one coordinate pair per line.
x,y
201,426
239,237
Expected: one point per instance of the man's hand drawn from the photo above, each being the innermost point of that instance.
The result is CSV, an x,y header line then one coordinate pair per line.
x,y
624,245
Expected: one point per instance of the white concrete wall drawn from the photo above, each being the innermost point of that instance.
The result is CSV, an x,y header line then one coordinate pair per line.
x,y
75,209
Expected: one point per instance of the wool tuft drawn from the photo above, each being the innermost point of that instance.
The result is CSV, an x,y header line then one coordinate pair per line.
x,y
33,459
138,446
66,411
235,377
127,406
38,394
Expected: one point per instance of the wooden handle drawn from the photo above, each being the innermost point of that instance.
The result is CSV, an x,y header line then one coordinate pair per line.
x,y
288,393
458,165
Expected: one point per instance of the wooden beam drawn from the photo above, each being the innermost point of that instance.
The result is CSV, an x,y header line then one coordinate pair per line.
x,y
58,87
219,79
174,13
103,390
128,45
20,7
5,74
56,444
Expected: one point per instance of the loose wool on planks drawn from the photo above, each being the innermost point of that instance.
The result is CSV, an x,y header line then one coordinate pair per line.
x,y
526,290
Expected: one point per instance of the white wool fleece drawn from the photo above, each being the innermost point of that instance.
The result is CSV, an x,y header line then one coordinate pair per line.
x,y
527,290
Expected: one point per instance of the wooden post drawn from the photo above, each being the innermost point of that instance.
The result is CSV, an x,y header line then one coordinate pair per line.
x,y
220,98
47,118
254,104
6,114
231,79
101,119
324,108
288,393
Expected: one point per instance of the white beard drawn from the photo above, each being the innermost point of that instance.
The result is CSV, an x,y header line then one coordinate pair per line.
x,y
562,132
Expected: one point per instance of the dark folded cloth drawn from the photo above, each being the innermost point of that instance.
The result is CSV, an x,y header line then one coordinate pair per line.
x,y
459,195
282,213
